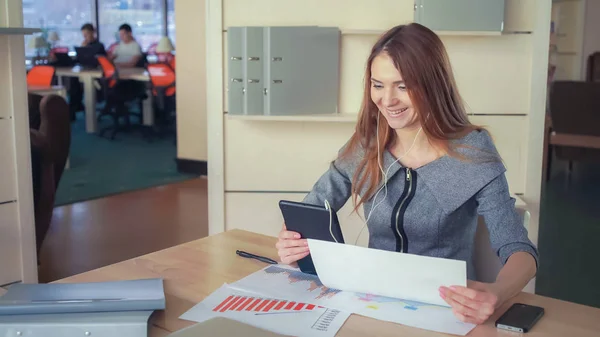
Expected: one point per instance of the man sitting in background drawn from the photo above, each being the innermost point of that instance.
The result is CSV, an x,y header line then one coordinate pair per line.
x,y
75,87
128,53
90,40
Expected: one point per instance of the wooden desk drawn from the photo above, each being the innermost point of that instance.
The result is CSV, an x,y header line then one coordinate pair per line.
x,y
551,138
195,269
89,91
565,139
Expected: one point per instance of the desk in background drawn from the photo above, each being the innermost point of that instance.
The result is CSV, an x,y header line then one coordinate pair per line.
x,y
89,91
195,269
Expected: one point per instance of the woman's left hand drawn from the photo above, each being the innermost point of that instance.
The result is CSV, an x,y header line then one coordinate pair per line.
x,y
473,304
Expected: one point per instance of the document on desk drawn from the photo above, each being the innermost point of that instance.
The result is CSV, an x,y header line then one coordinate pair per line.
x,y
289,283
384,273
54,298
290,318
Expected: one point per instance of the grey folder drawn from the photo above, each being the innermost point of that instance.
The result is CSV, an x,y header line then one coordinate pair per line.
x,y
134,295
97,324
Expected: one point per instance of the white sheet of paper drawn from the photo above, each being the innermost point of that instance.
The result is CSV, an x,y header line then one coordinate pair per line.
x,y
384,273
281,316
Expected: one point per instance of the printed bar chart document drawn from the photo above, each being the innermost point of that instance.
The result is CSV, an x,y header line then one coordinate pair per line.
x,y
290,284
385,273
291,318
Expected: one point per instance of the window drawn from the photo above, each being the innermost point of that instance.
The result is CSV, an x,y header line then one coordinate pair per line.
x,y
144,16
63,16
171,20
149,20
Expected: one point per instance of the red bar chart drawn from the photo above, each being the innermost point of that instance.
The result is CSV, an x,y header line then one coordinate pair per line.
x,y
261,305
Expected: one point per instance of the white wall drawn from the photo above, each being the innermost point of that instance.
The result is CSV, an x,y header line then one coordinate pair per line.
x,y
569,16
578,36
591,38
191,80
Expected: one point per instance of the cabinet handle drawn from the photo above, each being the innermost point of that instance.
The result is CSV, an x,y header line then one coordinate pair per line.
x,y
253,58
237,80
236,58
253,81
277,59
277,81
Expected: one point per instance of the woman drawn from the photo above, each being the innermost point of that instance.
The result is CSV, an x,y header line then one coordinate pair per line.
x,y
424,173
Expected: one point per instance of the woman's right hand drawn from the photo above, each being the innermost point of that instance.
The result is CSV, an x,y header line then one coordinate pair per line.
x,y
290,247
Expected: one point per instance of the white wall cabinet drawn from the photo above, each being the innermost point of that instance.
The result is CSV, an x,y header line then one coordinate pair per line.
x,y
8,186
283,70
296,166
18,262
461,15
10,263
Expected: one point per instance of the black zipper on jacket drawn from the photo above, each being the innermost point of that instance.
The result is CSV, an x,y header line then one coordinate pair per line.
x,y
398,214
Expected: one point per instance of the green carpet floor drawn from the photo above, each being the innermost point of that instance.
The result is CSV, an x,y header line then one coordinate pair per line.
x,y
100,167
568,235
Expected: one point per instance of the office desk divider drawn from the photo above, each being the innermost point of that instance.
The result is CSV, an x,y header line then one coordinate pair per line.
x,y
119,308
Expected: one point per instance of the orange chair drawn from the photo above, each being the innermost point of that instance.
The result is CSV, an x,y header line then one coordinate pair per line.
x,y
109,72
162,78
40,76
116,93
163,82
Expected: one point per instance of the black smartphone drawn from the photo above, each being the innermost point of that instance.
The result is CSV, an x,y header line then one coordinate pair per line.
x,y
311,222
520,317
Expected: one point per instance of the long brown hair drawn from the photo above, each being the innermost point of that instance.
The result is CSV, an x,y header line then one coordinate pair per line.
x,y
420,56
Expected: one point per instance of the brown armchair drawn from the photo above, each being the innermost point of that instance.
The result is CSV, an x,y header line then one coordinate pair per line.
x,y
575,131
50,134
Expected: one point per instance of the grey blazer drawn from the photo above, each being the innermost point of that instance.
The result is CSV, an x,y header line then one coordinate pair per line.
x,y
433,210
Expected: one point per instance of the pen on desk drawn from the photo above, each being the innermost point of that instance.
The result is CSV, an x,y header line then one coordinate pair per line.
x,y
252,256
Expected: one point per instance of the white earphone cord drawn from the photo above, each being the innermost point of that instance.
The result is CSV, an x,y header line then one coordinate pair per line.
x,y
384,181
328,206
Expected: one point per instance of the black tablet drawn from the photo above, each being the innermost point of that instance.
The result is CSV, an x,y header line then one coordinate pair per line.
x,y
311,222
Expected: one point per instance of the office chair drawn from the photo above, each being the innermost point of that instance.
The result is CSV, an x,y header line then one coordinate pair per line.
x,y
117,93
163,85
41,76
